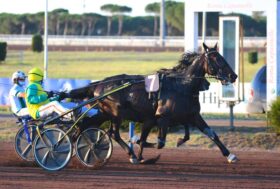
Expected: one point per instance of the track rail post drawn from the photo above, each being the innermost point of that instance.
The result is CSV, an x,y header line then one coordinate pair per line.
x,y
131,134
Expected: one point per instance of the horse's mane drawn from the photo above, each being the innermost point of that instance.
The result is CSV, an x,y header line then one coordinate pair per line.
x,y
184,62
178,78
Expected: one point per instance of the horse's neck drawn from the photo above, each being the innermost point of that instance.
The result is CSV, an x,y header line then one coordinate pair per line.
x,y
197,73
196,70
82,92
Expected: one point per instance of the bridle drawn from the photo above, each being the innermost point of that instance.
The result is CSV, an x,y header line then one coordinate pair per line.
x,y
213,70
209,63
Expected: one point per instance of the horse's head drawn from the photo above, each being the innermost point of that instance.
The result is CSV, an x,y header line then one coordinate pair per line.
x,y
217,65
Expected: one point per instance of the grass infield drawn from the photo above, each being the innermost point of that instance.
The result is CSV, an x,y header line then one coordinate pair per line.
x,y
98,65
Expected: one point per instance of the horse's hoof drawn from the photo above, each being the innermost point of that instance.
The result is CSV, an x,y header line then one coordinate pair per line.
x,y
180,141
160,145
232,158
134,161
151,160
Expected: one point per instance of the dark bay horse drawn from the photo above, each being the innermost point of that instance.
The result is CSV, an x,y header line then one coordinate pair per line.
x,y
177,103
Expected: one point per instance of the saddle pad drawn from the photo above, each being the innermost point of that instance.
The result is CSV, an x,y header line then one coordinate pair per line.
x,y
152,83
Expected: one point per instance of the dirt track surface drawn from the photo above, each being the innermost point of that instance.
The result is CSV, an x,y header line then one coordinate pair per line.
x,y
177,168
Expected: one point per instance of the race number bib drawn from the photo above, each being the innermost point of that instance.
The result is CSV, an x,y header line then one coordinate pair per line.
x,y
152,83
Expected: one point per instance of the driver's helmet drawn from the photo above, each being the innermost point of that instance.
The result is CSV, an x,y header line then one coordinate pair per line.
x,y
35,74
18,77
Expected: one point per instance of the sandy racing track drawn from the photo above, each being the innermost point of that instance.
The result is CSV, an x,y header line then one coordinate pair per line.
x,y
177,168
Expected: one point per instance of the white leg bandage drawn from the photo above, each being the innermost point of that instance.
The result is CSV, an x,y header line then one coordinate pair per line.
x,y
60,108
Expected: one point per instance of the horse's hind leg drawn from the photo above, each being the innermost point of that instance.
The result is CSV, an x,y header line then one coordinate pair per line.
x,y
203,127
181,141
163,124
145,130
116,136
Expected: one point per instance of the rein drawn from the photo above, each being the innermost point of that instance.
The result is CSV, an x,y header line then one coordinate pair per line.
x,y
197,77
103,82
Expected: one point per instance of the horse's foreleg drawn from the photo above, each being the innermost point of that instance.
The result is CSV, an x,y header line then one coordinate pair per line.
x,y
116,136
203,127
163,123
181,141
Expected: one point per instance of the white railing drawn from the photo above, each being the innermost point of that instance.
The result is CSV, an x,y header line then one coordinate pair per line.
x,y
135,41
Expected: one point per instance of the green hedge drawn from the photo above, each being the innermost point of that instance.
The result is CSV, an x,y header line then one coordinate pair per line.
x,y
37,43
3,51
253,57
274,116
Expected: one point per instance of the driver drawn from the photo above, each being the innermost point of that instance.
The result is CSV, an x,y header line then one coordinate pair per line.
x,y
17,94
42,104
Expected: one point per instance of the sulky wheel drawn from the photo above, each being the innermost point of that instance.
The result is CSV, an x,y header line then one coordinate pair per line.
x,y
24,141
53,150
94,147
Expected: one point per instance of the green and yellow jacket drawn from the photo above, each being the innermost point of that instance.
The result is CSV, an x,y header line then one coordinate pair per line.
x,y
35,98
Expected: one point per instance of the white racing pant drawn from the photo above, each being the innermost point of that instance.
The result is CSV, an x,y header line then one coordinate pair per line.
x,y
59,108
22,112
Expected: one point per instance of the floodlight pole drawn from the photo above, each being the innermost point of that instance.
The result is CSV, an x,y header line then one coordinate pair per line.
x,y
46,42
204,17
162,23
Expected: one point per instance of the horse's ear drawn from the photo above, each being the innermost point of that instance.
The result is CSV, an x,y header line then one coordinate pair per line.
x,y
205,47
216,45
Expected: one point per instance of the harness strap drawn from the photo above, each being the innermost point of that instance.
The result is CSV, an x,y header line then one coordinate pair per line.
x,y
161,77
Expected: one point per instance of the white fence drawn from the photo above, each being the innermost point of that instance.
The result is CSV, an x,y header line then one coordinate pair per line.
x,y
133,41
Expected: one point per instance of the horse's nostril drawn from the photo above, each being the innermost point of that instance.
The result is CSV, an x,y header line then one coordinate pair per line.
x,y
232,77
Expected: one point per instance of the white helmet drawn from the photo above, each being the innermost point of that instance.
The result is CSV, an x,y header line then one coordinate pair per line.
x,y
19,77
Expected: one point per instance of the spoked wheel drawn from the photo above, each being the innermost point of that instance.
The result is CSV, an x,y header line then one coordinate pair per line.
x,y
94,147
53,150
23,147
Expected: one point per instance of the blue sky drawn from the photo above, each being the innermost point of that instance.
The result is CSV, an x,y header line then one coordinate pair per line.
x,y
74,6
